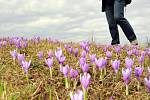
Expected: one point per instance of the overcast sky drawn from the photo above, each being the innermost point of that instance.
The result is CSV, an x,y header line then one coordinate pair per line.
x,y
68,19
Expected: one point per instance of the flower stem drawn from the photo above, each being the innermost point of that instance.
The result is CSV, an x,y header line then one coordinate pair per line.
x,y
27,79
66,83
94,71
127,90
50,71
50,94
85,94
101,74
74,84
138,86
105,71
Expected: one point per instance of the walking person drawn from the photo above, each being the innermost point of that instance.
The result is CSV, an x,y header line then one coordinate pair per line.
x,y
114,10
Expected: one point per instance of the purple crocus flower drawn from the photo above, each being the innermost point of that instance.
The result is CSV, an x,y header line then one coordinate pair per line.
x,y
25,66
77,96
21,57
11,42
40,54
58,53
62,59
85,68
82,61
84,44
143,53
50,53
66,46
69,49
147,83
105,49
1,44
85,80
4,43
108,54
101,63
141,59
129,62
13,54
25,44
126,75
117,49
148,69
129,52
87,48
18,43
49,62
136,52
76,52
73,73
65,71
92,57
115,65
83,54
138,72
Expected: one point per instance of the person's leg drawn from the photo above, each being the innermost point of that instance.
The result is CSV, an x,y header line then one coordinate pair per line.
x,y
124,24
112,25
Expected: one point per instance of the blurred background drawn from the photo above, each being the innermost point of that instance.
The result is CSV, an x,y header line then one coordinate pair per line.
x,y
69,20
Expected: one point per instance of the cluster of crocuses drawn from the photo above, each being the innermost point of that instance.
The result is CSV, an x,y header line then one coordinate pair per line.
x,y
71,73
16,41
21,60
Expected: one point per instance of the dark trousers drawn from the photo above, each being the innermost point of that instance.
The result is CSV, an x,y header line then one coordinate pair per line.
x,y
115,16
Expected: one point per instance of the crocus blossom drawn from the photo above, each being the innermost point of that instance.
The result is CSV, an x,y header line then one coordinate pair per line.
x,y
73,73
101,63
117,49
58,53
141,60
83,54
108,54
87,48
129,52
50,53
40,54
147,83
65,71
77,95
85,67
82,61
85,80
70,49
49,62
61,59
83,44
21,57
129,62
92,57
115,65
138,72
13,54
25,66
148,69
76,52
126,74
